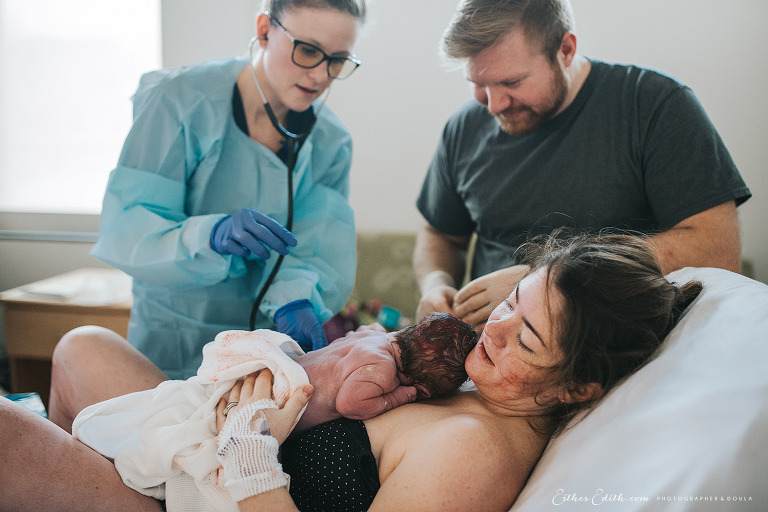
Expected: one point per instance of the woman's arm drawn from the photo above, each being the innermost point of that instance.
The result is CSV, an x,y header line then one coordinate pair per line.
x,y
144,228
460,463
278,500
263,469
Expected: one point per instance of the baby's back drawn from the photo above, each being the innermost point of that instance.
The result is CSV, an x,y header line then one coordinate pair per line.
x,y
361,354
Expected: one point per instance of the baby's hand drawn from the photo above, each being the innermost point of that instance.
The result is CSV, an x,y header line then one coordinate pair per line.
x,y
400,396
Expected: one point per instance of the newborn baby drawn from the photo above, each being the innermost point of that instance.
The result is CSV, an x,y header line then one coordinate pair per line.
x,y
369,372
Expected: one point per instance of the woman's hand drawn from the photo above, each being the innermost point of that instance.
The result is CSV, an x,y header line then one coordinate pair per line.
x,y
258,386
251,430
250,232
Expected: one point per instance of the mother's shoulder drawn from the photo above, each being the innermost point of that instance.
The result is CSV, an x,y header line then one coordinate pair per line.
x,y
498,450
487,429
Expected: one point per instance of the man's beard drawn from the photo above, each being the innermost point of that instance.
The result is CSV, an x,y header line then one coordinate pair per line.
x,y
532,120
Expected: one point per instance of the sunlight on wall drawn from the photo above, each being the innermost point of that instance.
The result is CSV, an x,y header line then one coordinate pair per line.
x,y
67,71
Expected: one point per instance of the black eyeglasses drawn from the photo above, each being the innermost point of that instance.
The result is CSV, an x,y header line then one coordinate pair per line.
x,y
308,56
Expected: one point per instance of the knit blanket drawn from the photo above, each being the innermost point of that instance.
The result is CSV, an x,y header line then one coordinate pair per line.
x,y
163,440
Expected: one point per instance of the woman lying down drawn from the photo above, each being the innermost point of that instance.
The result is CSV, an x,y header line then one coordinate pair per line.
x,y
591,311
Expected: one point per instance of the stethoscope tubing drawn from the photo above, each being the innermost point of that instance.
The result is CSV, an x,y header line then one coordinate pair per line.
x,y
294,141
292,153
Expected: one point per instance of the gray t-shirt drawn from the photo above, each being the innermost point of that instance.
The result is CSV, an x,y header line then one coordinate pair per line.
x,y
635,151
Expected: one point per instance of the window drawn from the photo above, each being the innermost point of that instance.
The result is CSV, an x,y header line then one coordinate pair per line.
x,y
67,71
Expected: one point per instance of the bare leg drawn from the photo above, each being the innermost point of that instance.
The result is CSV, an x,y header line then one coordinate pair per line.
x,y
44,468
92,364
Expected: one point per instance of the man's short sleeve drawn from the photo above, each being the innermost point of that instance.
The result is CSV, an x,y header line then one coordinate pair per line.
x,y
687,168
439,200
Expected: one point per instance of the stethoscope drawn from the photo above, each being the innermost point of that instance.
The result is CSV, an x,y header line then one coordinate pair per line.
x,y
294,141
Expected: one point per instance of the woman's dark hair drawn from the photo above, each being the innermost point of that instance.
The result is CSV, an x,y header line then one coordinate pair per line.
x,y
618,308
355,8
433,352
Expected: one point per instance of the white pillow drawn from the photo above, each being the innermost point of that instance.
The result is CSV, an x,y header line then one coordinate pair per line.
x,y
689,431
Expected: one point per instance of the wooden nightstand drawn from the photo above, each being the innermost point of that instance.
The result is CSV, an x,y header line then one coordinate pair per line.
x,y
37,315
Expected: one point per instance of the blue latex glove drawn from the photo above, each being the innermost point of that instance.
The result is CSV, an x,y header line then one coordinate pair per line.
x,y
250,232
298,320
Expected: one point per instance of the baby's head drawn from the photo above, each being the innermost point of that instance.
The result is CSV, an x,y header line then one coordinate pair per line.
x,y
433,352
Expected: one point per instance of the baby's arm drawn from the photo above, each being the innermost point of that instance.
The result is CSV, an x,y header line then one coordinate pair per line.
x,y
372,390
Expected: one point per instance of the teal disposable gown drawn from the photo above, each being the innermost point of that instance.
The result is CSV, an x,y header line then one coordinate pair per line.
x,y
185,165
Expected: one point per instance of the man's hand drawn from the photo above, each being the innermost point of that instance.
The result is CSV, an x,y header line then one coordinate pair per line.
x,y
437,293
474,303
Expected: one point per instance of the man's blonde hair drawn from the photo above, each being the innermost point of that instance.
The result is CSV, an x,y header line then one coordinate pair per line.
x,y
479,24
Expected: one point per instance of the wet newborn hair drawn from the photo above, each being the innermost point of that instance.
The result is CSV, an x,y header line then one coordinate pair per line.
x,y
433,352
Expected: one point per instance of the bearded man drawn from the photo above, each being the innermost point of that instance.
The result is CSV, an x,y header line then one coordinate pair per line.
x,y
558,139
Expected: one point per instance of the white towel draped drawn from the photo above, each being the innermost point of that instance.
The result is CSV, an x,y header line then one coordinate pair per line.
x,y
163,440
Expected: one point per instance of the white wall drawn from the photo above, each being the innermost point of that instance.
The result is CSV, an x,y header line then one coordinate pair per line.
x,y
397,101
